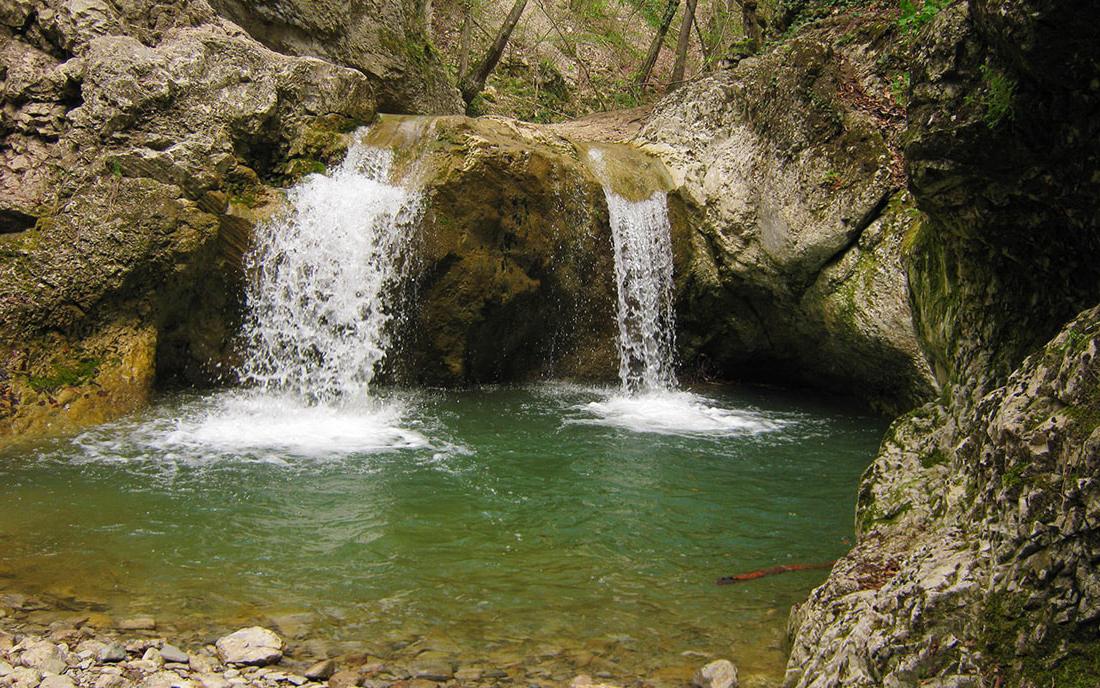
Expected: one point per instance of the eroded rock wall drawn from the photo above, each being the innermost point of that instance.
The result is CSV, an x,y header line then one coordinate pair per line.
x,y
132,133
977,522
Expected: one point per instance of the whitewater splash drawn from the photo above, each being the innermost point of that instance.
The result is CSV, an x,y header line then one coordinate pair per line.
x,y
320,306
642,239
319,310
650,402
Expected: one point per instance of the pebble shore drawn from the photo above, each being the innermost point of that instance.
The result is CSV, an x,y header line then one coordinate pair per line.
x,y
72,652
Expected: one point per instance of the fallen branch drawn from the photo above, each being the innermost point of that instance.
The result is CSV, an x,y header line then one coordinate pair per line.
x,y
773,570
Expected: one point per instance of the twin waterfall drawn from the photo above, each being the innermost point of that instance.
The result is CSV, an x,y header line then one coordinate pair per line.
x,y
320,304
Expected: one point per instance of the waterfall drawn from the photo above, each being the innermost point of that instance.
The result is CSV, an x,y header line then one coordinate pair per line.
x,y
643,273
320,304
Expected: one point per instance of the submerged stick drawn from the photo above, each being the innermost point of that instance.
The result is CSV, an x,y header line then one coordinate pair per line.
x,y
773,570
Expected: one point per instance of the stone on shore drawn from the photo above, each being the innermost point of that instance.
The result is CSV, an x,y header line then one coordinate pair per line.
x,y
171,653
321,671
720,673
254,646
57,682
43,656
112,653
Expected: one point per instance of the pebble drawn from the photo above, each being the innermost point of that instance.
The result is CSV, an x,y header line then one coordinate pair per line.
x,y
138,623
110,681
344,679
57,682
250,646
321,671
720,673
171,653
212,681
112,653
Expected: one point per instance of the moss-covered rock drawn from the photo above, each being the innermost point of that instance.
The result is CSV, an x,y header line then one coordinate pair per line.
x,y
788,165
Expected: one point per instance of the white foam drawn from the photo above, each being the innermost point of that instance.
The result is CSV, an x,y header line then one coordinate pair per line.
x,y
253,426
675,413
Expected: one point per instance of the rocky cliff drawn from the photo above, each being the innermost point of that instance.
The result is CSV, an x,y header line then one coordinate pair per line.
x,y
139,141
977,520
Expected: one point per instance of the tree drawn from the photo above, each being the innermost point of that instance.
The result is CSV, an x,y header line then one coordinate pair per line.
x,y
753,23
466,37
655,46
473,83
682,46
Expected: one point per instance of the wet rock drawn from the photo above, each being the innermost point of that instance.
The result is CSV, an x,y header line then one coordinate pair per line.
x,y
153,655
171,653
112,653
720,673
344,679
432,668
254,646
321,671
138,623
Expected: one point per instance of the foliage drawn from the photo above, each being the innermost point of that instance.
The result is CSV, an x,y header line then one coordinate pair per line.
x,y
996,96
899,88
914,16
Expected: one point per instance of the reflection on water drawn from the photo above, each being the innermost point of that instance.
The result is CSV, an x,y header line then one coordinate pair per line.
x,y
493,523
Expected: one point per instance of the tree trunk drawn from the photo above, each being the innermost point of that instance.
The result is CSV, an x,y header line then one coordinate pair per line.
x,y
474,83
754,31
655,46
466,37
682,46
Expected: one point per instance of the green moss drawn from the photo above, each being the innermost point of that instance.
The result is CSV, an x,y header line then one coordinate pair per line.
x,y
915,15
936,457
73,375
1013,477
996,98
300,167
1066,657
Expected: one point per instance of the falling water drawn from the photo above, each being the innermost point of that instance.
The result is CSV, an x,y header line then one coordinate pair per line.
x,y
650,400
643,271
320,305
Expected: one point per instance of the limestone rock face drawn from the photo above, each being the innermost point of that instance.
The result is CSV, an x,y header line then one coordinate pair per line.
x,y
789,168
385,39
977,519
128,129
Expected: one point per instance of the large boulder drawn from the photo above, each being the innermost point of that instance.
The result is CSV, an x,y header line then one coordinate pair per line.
x,y
789,165
133,133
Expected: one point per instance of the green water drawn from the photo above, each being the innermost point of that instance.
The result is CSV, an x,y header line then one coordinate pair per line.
x,y
502,524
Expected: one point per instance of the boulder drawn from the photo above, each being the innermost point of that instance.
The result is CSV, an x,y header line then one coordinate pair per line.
x,y
250,646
